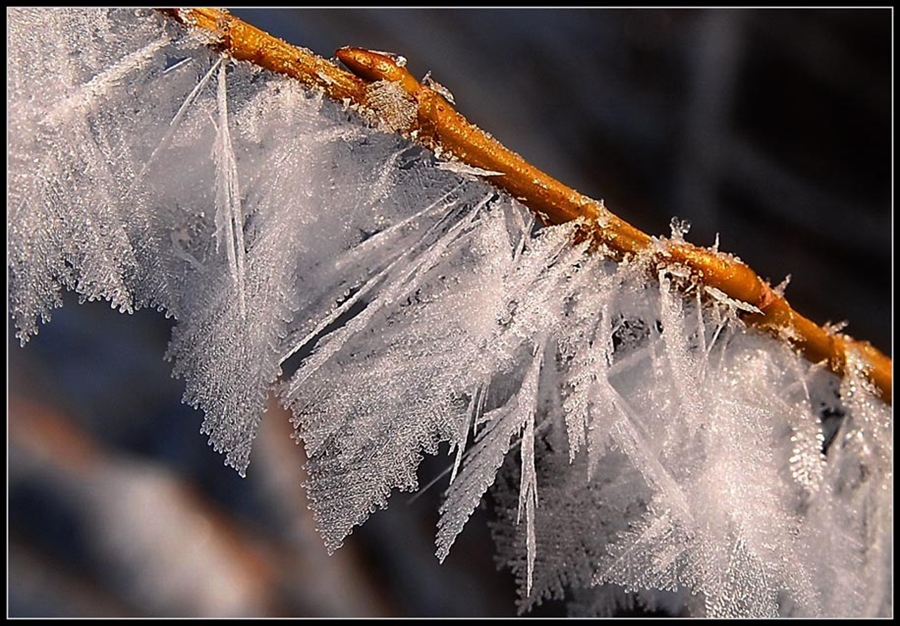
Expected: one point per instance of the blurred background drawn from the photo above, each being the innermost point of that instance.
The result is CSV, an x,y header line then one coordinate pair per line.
x,y
772,128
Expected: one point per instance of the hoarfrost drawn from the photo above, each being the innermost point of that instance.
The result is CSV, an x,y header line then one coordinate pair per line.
x,y
466,171
428,81
392,107
657,450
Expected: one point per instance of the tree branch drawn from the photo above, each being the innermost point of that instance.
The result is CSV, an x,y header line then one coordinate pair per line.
x,y
438,126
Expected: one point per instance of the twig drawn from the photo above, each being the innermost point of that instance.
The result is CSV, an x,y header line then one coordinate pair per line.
x,y
437,125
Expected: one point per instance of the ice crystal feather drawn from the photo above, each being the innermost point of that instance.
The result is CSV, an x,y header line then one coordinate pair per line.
x,y
644,443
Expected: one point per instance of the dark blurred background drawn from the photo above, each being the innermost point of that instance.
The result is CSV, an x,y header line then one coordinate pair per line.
x,y
772,128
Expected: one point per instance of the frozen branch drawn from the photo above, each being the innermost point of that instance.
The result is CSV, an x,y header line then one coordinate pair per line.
x,y
437,125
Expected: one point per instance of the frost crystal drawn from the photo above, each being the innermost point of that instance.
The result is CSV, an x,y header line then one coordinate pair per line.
x,y
645,447
391,106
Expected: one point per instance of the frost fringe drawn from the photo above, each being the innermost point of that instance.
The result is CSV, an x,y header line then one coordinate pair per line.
x,y
663,447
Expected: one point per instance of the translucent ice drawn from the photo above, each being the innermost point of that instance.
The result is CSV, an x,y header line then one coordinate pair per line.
x,y
645,446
